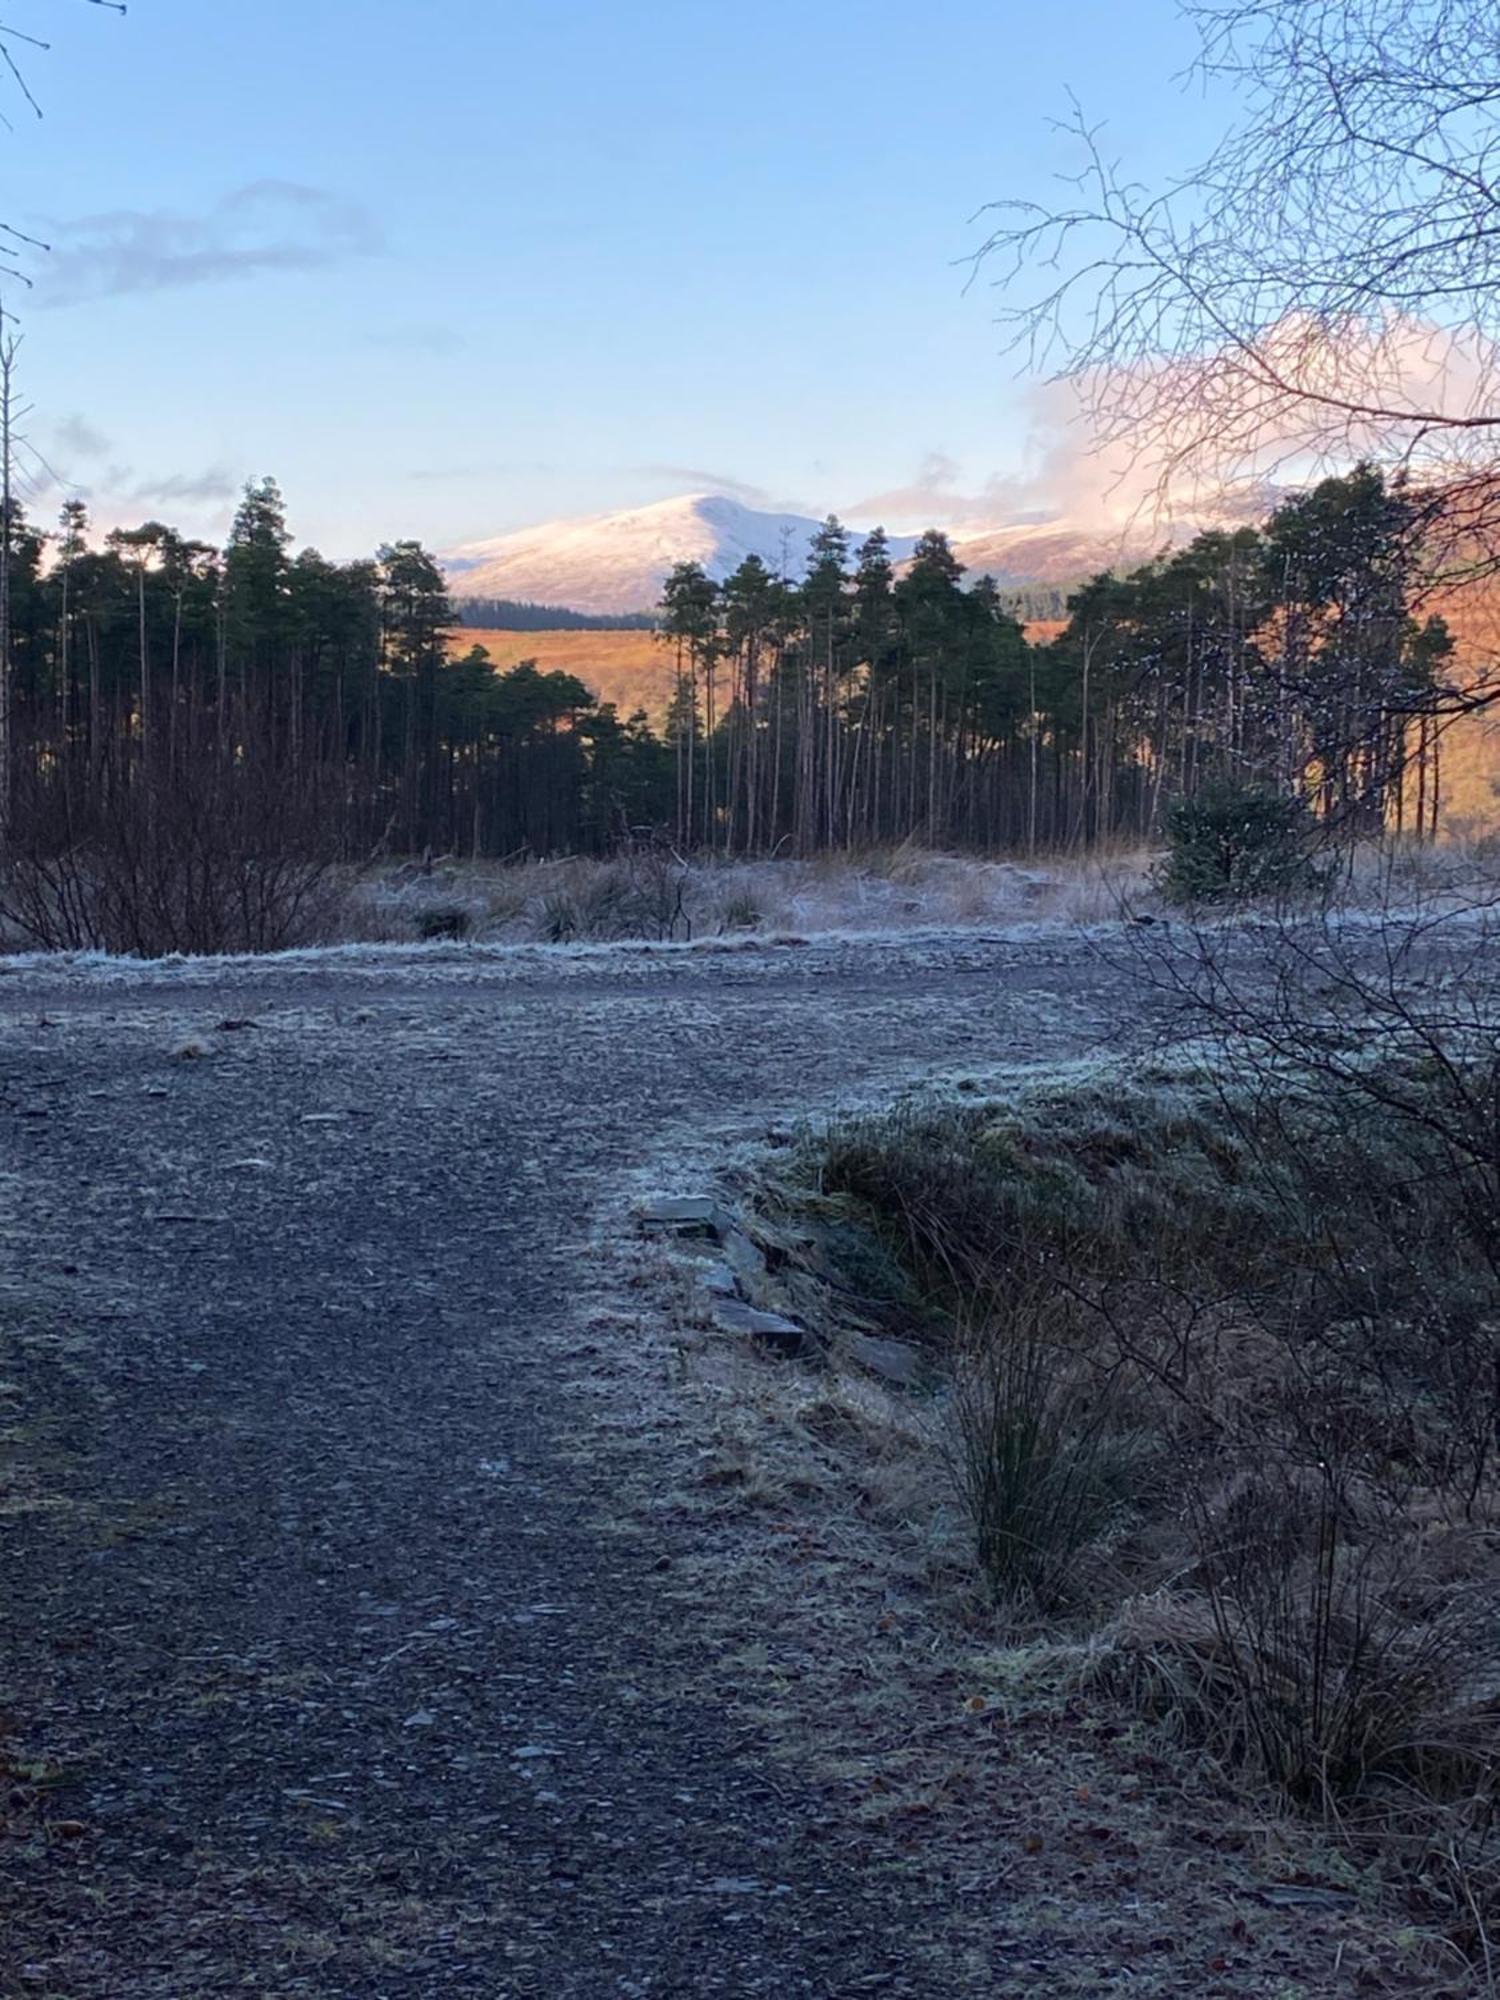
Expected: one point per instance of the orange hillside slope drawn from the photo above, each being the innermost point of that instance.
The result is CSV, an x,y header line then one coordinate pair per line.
x,y
633,671
1470,770
1471,746
628,668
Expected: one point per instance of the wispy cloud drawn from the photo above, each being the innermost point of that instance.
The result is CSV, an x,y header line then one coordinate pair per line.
x,y
117,493
1066,475
76,437
216,482
1207,450
701,481
265,226
934,499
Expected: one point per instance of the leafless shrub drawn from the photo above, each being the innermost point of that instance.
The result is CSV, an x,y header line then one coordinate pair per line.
x,y
1268,1265
1338,1670
444,921
230,855
641,895
741,912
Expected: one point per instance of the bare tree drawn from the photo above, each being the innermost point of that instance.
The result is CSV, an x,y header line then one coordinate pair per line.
x,y
15,44
1324,287
12,241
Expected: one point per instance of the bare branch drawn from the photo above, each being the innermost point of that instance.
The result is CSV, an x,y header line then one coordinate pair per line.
x,y
1324,287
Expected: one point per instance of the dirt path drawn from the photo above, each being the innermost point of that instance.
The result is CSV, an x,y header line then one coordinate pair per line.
x,y
311,1593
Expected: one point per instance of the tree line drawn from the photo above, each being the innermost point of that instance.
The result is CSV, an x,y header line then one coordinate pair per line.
x,y
154,679
153,674
510,614
857,705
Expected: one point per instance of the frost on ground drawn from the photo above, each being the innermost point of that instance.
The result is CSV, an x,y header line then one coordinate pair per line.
x,y
831,1568
710,962
312,1422
450,919
351,1409
659,896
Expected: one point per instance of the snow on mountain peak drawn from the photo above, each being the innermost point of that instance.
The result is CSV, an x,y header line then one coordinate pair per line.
x,y
613,563
610,564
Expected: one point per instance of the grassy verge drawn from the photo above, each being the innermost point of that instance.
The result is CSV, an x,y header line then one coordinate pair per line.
x,y
1219,1365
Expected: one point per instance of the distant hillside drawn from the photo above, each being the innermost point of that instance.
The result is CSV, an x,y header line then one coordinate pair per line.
x,y
504,614
628,667
1032,559
1038,604
1471,746
631,669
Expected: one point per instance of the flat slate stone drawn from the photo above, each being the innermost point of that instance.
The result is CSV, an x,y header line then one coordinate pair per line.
x,y
741,1255
893,1360
734,1316
688,1213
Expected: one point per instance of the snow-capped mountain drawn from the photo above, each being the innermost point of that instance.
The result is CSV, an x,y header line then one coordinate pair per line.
x,y
1059,552
610,563
616,563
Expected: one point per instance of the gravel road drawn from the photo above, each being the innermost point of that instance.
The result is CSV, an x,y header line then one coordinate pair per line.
x,y
313,1601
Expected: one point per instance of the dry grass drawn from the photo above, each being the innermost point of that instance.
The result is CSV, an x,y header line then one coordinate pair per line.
x,y
658,896
1471,745
634,671
1225,1410
1457,872
1078,1852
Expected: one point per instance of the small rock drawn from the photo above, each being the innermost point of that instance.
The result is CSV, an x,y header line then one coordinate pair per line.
x,y
721,1281
742,1256
892,1360
688,1215
1301,1896
784,1335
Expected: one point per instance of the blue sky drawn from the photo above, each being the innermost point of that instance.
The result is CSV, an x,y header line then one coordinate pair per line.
x,y
448,269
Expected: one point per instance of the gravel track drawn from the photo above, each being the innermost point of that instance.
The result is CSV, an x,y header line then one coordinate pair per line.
x,y
315,1591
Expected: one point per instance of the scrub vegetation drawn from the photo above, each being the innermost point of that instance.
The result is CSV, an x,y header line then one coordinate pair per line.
x,y
1219,1339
